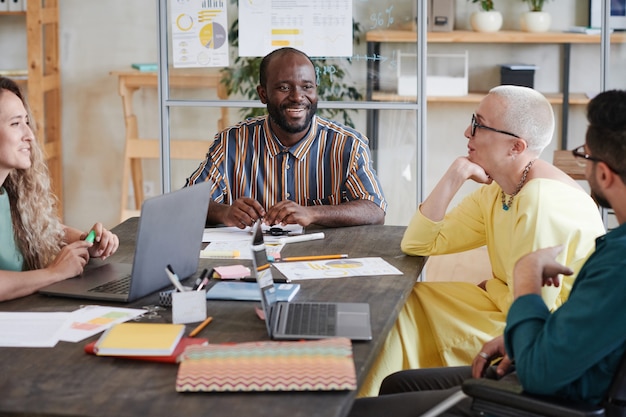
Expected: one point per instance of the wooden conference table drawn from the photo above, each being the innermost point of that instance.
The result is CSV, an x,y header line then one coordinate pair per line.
x,y
65,381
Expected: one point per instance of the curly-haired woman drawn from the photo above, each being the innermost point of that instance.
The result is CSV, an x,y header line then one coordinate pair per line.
x,y
35,248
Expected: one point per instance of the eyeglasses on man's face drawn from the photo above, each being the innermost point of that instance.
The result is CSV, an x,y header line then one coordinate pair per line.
x,y
475,125
581,157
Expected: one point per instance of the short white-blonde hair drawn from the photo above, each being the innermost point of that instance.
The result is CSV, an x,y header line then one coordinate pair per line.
x,y
528,114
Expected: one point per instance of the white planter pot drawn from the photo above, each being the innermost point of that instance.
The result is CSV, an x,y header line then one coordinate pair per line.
x,y
535,21
482,21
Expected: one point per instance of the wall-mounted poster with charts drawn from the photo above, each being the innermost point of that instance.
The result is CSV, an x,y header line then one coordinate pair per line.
x,y
316,27
199,33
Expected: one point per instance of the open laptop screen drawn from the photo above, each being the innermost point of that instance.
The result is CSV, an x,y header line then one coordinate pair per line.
x,y
263,274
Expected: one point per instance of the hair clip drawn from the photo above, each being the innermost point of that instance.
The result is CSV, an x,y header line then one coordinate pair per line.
x,y
277,231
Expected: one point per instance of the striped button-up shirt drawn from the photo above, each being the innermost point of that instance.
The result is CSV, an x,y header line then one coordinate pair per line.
x,y
330,165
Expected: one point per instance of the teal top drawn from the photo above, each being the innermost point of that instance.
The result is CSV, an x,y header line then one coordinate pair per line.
x,y
574,352
11,258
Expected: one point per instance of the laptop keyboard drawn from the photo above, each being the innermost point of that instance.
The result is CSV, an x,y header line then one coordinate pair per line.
x,y
119,286
316,319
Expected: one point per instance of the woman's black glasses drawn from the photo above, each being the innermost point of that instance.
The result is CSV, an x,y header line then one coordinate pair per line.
x,y
475,125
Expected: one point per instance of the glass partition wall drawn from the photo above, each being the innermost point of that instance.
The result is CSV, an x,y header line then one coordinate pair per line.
x,y
387,87
394,124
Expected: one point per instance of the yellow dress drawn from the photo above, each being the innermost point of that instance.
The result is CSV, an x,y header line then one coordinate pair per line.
x,y
447,323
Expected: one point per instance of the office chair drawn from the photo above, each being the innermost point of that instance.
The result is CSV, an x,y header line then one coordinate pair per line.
x,y
505,398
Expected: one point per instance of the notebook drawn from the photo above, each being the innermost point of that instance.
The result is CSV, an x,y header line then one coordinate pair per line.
x,y
313,365
171,358
248,291
169,232
305,320
139,339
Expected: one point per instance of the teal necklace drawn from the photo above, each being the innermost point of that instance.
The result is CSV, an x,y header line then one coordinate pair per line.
x,y
507,204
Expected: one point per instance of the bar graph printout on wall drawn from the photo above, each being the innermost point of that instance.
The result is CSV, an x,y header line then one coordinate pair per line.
x,y
318,28
199,33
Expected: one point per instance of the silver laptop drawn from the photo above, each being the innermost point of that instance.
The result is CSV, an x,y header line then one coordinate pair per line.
x,y
305,320
169,232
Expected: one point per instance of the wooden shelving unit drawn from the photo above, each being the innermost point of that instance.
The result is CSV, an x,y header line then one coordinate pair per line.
x,y
565,98
43,84
475,97
503,36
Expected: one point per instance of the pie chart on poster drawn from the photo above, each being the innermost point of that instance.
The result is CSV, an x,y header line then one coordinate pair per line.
x,y
344,263
184,22
212,36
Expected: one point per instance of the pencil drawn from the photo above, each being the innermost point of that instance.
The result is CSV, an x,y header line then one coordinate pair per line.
x,y
263,267
201,326
313,258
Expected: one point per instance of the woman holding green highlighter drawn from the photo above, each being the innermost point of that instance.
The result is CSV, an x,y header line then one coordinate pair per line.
x,y
35,248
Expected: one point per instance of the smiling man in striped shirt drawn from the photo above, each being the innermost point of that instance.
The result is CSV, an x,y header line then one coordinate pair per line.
x,y
291,166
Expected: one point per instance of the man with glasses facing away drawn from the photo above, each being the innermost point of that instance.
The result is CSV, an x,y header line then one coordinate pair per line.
x,y
524,204
562,354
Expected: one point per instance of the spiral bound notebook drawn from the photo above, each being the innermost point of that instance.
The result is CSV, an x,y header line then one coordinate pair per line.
x,y
319,365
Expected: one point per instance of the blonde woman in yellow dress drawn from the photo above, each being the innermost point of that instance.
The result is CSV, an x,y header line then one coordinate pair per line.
x,y
525,204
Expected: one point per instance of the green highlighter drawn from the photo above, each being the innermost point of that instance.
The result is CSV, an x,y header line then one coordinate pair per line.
x,y
91,236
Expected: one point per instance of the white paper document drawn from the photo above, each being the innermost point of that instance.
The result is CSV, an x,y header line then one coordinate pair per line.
x,y
228,249
227,234
31,329
336,268
235,243
90,320
318,28
238,249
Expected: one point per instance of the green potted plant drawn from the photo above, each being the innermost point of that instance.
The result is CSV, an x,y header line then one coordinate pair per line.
x,y
535,5
485,5
487,19
535,19
242,77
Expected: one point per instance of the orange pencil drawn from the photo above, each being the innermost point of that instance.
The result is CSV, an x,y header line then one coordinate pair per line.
x,y
313,258
201,326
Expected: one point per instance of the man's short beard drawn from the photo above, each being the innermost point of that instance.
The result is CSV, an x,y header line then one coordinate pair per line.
x,y
602,202
280,121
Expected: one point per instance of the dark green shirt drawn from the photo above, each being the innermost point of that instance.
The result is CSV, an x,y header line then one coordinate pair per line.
x,y
574,352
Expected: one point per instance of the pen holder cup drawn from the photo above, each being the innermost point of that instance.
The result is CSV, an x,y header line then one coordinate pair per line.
x,y
165,297
188,306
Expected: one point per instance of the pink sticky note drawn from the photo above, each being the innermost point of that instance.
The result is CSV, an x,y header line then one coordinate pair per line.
x,y
232,271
